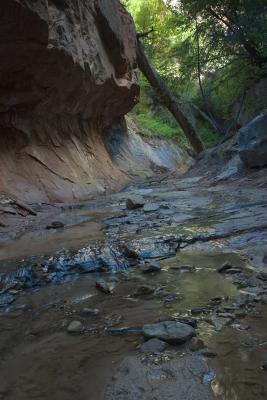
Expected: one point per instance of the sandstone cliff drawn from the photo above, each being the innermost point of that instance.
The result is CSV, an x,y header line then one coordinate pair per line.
x,y
67,72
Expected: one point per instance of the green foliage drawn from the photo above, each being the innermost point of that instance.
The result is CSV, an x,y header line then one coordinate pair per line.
x,y
157,122
221,43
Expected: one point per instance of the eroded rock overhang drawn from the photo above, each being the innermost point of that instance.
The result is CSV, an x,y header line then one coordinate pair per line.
x,y
67,69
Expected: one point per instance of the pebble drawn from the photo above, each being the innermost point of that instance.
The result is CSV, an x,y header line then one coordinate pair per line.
x,y
226,266
196,344
197,311
150,266
89,312
55,225
75,327
220,323
207,353
143,290
151,207
104,287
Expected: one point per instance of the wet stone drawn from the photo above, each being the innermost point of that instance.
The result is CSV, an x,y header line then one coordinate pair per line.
x,y
184,268
150,266
153,346
220,323
187,320
233,271
105,287
226,315
55,225
89,312
240,327
225,267
240,314
207,353
196,344
151,207
262,276
171,298
170,331
75,327
199,310
135,202
143,290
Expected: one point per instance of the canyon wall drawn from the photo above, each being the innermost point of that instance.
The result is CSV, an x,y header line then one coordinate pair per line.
x,y
67,76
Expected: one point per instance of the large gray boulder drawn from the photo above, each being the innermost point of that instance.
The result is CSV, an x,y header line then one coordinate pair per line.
x,y
253,142
172,332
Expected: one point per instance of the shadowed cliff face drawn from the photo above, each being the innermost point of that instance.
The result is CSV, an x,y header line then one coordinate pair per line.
x,y
67,73
68,56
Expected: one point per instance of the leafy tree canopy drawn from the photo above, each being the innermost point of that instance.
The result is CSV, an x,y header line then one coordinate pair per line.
x,y
208,51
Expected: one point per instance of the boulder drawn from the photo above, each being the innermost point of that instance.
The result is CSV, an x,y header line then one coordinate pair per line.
x,y
172,332
253,142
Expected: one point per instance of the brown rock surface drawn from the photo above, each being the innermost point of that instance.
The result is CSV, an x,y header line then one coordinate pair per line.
x,y
67,70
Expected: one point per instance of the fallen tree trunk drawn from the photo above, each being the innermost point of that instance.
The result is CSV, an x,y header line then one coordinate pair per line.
x,y
167,99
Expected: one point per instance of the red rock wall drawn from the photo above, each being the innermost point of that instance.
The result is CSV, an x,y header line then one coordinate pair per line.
x,y
67,69
67,72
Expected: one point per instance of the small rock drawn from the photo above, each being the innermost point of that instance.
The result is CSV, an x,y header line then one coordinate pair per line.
x,y
240,314
143,290
208,377
262,276
264,366
216,299
153,346
184,268
220,323
226,315
170,298
150,266
207,353
150,207
187,320
89,312
165,206
105,287
199,310
196,344
55,225
170,331
225,267
233,271
75,327
135,202
240,327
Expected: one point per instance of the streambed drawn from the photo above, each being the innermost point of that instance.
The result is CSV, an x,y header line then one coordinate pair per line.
x,y
40,359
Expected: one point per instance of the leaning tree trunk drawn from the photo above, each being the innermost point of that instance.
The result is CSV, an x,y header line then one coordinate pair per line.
x,y
167,99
